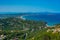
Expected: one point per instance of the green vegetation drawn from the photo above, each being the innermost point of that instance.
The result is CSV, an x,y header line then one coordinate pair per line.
x,y
18,29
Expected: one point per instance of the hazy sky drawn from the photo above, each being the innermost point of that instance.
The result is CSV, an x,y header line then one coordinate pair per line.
x,y
29,5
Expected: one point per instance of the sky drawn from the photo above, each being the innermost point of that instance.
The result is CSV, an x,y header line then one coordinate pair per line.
x,y
29,5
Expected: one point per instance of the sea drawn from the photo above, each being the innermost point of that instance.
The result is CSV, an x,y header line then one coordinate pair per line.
x,y
50,18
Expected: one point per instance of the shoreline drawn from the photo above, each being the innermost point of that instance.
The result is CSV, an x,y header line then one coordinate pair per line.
x,y
25,19
48,24
22,17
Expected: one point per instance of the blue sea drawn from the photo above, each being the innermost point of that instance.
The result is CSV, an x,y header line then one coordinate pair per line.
x,y
50,18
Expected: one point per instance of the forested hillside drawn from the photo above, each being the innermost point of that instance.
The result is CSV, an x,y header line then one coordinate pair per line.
x,y
17,26
19,29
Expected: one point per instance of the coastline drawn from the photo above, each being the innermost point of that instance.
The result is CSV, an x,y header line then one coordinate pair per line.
x,y
50,21
22,17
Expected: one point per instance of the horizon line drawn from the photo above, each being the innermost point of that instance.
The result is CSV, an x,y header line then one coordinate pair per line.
x,y
33,12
